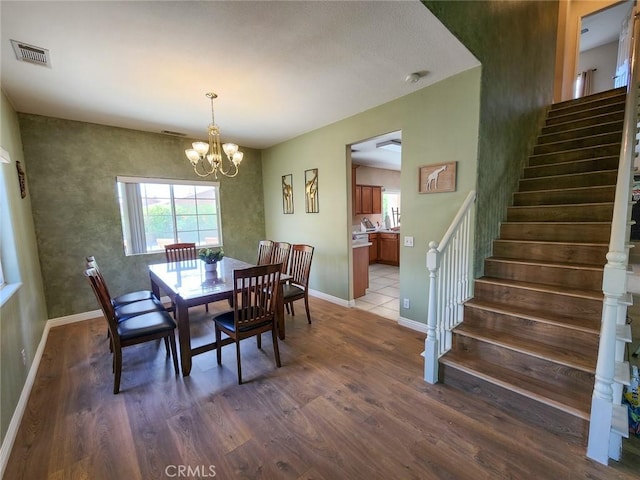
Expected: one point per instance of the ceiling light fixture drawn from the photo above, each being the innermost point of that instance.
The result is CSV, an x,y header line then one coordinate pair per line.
x,y
390,145
206,158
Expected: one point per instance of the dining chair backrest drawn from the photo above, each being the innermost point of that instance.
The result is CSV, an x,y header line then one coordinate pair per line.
x,y
92,263
265,247
99,288
300,264
179,252
255,295
280,254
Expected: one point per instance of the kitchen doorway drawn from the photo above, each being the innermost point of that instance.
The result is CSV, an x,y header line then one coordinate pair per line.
x,y
376,220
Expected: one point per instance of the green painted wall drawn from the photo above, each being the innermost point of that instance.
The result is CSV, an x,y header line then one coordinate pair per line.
x,y
23,316
439,123
515,41
73,166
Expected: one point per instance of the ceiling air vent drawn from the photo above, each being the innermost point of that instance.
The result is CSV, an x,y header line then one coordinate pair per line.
x,y
31,54
175,134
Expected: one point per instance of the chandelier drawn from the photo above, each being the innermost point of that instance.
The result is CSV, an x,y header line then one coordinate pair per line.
x,y
206,158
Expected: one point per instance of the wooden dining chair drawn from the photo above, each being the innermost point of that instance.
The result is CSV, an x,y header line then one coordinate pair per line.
x,y
123,299
180,252
265,247
255,298
132,330
280,254
298,287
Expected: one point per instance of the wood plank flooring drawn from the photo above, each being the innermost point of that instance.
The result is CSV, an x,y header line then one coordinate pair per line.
x,y
348,403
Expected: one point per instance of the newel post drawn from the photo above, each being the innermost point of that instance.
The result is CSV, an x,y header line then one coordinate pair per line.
x,y
431,347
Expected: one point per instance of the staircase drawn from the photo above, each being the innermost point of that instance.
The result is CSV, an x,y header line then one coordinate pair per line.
x,y
529,339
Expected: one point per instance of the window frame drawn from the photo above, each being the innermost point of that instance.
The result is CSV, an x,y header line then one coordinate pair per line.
x,y
127,225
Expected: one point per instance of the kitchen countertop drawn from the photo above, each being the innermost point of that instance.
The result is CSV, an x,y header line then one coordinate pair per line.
x,y
361,244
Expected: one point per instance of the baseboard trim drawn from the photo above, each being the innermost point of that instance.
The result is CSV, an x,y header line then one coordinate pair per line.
x,y
412,324
18,413
330,298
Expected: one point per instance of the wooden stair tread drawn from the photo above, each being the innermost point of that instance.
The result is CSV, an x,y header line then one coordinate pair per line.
x,y
590,147
584,160
550,242
556,205
564,222
540,287
551,318
541,263
572,402
565,175
578,359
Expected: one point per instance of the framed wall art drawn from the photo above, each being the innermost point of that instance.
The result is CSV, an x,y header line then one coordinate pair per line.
x,y
311,190
21,180
436,178
287,193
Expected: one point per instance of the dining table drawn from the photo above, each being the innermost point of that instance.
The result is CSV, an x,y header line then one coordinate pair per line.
x,y
189,283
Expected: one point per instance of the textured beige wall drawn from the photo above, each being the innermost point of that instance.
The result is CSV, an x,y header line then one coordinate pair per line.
x,y
73,167
23,316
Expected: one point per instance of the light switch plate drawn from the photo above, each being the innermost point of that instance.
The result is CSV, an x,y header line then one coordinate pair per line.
x,y
408,241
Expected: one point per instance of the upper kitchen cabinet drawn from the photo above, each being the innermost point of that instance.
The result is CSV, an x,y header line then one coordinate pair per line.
x,y
368,199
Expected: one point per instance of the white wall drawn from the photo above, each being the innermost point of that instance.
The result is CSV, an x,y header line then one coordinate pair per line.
x,y
602,58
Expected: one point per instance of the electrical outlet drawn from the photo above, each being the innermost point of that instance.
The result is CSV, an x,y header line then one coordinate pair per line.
x,y
405,303
408,241
24,357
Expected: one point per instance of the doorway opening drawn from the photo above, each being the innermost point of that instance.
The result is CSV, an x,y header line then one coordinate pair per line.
x,y
376,221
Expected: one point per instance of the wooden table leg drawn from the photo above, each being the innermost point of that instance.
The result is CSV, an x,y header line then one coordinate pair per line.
x,y
184,336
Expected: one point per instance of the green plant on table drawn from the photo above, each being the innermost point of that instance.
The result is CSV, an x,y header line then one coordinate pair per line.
x,y
210,255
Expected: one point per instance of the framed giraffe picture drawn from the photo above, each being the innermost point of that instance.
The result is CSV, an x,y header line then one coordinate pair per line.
x,y
436,178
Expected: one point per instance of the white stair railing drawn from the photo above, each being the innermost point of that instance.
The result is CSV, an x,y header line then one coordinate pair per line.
x,y
450,285
609,421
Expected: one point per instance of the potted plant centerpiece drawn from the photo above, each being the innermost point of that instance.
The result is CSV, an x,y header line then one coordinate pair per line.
x,y
210,256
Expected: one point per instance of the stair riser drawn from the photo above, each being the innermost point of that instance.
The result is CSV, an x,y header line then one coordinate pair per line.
x,y
588,309
591,179
585,122
579,381
563,336
578,143
578,133
561,213
560,117
550,232
569,253
609,150
571,277
580,166
565,197
587,107
573,429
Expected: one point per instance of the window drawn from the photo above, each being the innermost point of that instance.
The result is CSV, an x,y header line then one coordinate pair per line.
x,y
391,208
157,212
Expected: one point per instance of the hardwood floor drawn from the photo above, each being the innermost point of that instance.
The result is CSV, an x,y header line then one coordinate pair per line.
x,y
348,403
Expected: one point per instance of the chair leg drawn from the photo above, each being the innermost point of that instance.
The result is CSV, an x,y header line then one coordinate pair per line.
x,y
166,345
293,313
286,305
117,361
238,359
259,340
218,346
206,307
174,352
306,306
276,349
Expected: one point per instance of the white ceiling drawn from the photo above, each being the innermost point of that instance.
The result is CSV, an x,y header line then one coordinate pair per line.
x,y
604,26
367,153
280,68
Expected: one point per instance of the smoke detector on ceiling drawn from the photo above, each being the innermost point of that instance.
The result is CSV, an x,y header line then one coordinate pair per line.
x,y
31,54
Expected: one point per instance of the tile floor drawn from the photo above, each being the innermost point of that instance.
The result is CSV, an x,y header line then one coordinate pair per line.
x,y
382,297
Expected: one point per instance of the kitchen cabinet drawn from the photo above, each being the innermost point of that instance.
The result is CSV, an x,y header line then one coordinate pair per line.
x,y
367,199
373,248
389,248
360,271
